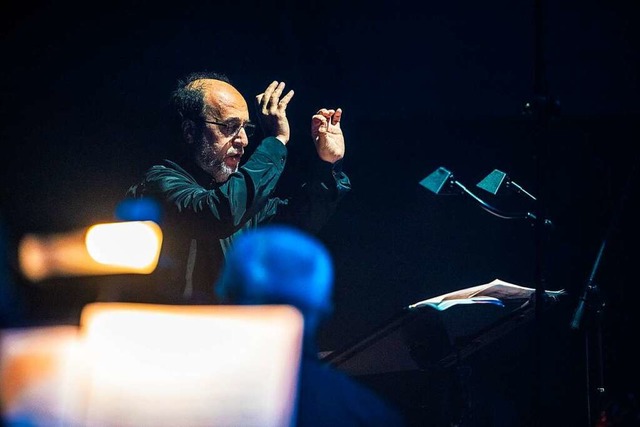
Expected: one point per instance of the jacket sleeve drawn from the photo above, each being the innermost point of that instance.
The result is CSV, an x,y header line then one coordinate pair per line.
x,y
315,200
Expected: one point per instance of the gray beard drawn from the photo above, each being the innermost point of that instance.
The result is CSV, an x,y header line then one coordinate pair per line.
x,y
214,166
221,172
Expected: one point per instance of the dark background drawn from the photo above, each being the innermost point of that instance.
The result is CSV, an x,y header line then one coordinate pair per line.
x,y
84,112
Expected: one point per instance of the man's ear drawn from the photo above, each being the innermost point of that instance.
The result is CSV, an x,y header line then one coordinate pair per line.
x,y
188,131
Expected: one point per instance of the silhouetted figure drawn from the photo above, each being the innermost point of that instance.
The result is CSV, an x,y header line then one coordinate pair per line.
x,y
277,264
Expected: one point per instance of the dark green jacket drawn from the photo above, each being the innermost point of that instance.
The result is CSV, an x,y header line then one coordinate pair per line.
x,y
201,218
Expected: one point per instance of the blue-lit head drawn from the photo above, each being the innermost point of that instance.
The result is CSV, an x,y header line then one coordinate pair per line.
x,y
143,209
278,264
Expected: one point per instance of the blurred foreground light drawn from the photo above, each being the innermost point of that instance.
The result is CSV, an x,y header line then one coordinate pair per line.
x,y
39,369
130,364
191,365
117,248
129,244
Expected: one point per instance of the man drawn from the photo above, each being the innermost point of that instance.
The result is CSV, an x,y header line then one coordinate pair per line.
x,y
278,264
208,198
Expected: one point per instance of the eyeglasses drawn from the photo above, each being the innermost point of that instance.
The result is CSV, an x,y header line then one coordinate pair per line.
x,y
232,127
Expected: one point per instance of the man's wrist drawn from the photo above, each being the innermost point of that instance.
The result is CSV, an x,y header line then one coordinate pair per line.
x,y
336,167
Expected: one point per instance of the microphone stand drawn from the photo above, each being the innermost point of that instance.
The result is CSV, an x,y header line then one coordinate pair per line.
x,y
591,298
491,209
442,181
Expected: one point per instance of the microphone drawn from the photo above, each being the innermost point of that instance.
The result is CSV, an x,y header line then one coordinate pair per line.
x,y
498,180
441,182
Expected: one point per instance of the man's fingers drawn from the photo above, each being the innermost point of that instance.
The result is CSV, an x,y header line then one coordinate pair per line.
x,y
264,98
335,119
285,99
334,115
270,98
275,95
330,114
319,122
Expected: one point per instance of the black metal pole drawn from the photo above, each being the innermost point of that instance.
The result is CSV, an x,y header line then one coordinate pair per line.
x,y
542,107
592,302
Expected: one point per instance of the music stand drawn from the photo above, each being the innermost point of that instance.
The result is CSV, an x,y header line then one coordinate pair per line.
x,y
400,361
414,360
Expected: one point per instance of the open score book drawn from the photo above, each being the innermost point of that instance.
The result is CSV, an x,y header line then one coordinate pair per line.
x,y
493,292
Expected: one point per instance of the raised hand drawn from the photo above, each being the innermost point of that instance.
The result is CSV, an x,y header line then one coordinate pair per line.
x,y
273,111
327,134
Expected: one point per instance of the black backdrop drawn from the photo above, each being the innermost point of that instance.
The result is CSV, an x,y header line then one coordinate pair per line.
x,y
84,91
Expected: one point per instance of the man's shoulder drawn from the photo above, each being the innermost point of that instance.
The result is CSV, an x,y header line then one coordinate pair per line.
x,y
167,164
164,175
168,169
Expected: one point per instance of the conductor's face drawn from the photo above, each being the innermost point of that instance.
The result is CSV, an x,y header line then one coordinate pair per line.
x,y
223,134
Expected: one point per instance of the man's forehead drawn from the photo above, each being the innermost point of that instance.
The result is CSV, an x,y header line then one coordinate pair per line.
x,y
208,84
219,95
